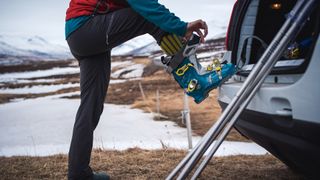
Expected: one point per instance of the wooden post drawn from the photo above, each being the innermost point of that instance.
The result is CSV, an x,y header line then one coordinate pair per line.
x,y
144,98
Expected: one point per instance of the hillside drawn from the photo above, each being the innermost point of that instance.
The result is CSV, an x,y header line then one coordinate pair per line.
x,y
19,49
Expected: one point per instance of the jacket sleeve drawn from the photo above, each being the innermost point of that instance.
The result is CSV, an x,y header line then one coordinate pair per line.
x,y
159,15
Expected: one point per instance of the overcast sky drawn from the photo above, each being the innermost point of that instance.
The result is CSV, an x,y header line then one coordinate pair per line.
x,y
46,17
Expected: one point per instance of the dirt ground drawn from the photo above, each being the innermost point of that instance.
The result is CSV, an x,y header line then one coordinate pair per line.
x,y
143,164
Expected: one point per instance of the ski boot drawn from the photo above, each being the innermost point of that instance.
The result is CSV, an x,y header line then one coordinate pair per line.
x,y
182,63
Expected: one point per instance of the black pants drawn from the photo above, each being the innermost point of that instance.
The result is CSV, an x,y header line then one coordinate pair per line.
x,y
91,45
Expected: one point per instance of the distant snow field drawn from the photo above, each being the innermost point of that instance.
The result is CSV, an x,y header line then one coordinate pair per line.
x,y
13,77
129,71
126,71
44,125
118,64
136,70
37,89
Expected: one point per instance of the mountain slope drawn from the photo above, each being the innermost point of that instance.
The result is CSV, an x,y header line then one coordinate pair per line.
x,y
19,48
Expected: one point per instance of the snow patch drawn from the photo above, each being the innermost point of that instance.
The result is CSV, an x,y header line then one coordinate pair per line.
x,y
43,127
37,89
120,64
117,81
129,71
13,77
131,45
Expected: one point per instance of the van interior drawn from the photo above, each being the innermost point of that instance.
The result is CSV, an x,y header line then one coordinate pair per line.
x,y
259,25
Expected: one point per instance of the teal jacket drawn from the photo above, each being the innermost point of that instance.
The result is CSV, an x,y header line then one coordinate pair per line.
x,y
150,10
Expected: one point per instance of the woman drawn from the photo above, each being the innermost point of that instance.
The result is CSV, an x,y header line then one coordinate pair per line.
x,y
93,28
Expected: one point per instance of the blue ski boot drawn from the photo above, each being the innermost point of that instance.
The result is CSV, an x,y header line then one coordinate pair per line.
x,y
182,63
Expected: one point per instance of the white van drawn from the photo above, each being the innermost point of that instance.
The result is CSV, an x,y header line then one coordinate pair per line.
x,y
284,116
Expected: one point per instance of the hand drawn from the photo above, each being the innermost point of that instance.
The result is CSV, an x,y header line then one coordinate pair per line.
x,y
197,26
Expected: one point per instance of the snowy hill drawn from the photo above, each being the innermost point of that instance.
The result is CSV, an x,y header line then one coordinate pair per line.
x,y
216,13
145,50
145,45
129,48
16,49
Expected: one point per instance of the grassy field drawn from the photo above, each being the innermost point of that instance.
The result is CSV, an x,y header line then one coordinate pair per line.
x,y
143,164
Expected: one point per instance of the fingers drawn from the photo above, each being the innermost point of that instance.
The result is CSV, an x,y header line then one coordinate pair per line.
x,y
200,34
200,27
197,26
205,27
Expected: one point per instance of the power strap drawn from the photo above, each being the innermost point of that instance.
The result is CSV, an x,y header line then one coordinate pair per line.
x,y
184,51
172,62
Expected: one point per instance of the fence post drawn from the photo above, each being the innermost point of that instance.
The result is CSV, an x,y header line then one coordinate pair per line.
x,y
144,98
158,104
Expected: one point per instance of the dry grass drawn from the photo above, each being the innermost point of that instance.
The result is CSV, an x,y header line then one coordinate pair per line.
x,y
142,60
143,164
56,82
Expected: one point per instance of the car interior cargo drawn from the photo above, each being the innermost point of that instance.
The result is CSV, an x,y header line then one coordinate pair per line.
x,y
254,28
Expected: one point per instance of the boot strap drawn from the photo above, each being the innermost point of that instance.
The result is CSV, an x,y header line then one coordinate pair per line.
x,y
172,63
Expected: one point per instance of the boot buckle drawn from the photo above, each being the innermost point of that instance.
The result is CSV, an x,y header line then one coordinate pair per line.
x,y
215,66
192,85
183,69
